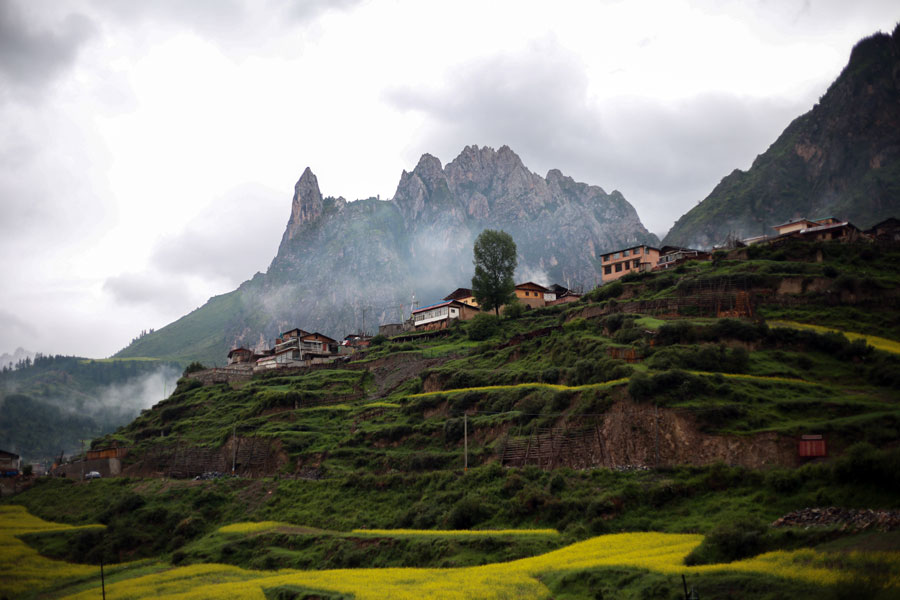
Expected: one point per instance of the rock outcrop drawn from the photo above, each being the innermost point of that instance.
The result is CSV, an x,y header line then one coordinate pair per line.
x,y
345,266
840,159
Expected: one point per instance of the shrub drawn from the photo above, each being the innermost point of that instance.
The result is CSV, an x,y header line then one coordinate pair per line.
x,y
193,368
729,542
483,326
609,290
377,340
513,310
467,512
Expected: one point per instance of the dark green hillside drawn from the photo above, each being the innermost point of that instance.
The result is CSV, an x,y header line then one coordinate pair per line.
x,y
842,158
54,403
199,335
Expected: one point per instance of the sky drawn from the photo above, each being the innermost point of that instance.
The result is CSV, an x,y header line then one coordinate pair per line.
x,y
148,150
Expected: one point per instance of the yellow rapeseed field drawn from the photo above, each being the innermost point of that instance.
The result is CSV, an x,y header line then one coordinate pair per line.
x,y
879,343
22,568
454,532
549,386
519,579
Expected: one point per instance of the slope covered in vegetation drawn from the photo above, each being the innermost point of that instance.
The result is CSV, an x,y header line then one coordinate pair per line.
x,y
665,403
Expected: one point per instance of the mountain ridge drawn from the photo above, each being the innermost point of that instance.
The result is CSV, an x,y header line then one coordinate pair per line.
x,y
345,266
841,158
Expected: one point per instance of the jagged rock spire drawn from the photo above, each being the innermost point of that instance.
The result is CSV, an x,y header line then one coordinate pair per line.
x,y
307,204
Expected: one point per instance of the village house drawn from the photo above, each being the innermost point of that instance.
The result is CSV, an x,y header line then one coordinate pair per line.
x,y
629,260
562,295
672,256
439,316
885,231
297,347
241,356
10,464
463,295
824,230
533,295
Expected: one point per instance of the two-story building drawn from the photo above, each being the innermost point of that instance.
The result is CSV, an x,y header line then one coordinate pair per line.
x,y
822,230
628,260
241,356
10,464
534,295
297,347
441,315
463,295
672,256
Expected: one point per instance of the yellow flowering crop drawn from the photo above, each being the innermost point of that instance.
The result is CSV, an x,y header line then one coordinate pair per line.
x,y
22,568
762,378
454,532
873,340
250,527
26,572
547,386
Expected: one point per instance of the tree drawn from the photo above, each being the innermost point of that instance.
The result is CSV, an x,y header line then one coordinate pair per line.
x,y
495,262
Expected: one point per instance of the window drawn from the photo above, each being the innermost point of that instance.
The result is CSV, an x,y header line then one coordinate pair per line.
x,y
616,255
636,263
607,269
627,264
618,267
624,252
636,251
606,258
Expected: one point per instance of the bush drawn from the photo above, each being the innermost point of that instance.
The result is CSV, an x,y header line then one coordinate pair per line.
x,y
467,512
729,542
193,368
482,327
513,310
377,340
609,290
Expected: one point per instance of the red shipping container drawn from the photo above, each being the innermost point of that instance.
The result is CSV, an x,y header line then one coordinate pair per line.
x,y
811,446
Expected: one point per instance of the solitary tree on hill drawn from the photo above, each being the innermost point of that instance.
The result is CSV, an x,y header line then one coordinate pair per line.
x,y
495,262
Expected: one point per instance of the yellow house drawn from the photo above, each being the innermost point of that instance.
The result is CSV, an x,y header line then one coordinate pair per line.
x,y
628,260
463,295
533,295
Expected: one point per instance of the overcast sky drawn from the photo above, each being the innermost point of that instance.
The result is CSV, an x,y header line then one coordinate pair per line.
x,y
148,150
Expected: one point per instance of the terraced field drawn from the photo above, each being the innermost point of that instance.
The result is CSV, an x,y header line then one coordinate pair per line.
x,y
29,574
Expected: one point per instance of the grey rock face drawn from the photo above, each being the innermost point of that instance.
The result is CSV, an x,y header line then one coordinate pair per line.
x,y
345,266
307,203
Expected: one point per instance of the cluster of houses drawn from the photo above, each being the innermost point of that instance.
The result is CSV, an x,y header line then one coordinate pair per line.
x,y
638,259
301,348
295,347
461,305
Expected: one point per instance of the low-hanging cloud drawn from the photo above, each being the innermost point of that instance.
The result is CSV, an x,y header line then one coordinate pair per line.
x,y
122,402
663,156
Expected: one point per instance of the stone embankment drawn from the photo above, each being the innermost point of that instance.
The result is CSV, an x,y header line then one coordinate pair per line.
x,y
849,519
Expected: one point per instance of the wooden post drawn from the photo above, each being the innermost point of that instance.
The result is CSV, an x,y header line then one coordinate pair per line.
x,y
102,578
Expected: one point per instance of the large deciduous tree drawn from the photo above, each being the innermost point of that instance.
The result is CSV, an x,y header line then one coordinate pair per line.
x,y
495,262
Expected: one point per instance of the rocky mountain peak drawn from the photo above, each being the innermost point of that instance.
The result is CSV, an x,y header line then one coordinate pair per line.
x,y
307,203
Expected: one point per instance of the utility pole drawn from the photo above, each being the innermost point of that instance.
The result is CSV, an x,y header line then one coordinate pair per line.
x,y
466,440
233,446
102,578
656,413
83,457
